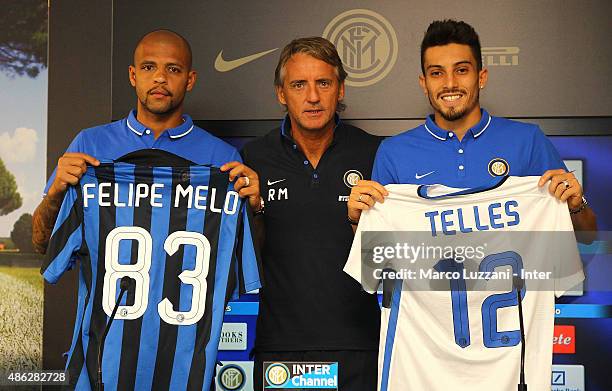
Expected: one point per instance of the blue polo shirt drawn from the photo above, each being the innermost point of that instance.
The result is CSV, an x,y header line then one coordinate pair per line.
x,y
494,147
111,141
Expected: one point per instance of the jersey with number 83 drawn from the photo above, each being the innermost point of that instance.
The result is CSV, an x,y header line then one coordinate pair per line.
x,y
181,236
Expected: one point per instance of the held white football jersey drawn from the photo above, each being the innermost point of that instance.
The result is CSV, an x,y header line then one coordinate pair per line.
x,y
453,324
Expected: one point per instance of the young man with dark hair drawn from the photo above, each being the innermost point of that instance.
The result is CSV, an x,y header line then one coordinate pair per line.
x,y
309,309
469,145
463,147
443,32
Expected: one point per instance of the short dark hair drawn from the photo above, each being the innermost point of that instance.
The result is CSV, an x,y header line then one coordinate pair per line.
x,y
317,47
444,32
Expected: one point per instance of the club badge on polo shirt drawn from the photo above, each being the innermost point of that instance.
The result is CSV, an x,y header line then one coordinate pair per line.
x,y
498,167
277,189
350,178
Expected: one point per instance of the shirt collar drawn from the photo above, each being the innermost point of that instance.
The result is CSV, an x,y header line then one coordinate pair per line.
x,y
441,134
286,127
182,130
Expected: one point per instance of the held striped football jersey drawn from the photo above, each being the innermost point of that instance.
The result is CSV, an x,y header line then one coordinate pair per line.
x,y
182,235
450,319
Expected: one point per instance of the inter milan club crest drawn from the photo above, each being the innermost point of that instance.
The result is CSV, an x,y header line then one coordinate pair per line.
x,y
291,375
232,377
351,177
277,374
498,167
367,44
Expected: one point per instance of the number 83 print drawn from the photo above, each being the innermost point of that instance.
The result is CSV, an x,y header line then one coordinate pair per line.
x,y
139,272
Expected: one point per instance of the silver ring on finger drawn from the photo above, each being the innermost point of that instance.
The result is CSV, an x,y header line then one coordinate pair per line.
x,y
247,181
360,197
566,184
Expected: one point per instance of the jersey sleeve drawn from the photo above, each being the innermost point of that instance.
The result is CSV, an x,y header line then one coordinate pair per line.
x,y
236,156
66,238
544,155
354,266
568,268
225,154
383,171
75,146
569,274
247,257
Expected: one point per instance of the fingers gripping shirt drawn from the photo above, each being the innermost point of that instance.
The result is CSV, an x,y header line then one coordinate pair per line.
x,y
182,236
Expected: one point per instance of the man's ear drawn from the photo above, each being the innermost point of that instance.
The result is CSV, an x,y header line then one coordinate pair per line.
x,y
280,95
483,77
423,84
341,92
132,75
191,80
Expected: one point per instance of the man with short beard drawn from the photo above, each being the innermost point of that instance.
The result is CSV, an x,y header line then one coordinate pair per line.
x,y
461,145
161,75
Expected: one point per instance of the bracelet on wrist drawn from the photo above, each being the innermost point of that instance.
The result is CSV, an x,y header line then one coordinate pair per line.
x,y
580,208
351,221
262,206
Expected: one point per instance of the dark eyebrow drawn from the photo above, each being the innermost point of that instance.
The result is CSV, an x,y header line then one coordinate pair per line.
x,y
463,62
170,64
455,64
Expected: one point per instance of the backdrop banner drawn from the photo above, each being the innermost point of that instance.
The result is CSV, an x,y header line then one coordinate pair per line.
x,y
545,60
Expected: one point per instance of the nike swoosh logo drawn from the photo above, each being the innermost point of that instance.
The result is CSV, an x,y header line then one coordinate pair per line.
x,y
417,176
270,183
222,65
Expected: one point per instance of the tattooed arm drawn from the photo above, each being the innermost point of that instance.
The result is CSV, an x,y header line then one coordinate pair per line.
x,y
70,168
43,221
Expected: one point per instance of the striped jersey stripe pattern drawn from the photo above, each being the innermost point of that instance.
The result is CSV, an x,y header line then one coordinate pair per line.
x,y
183,237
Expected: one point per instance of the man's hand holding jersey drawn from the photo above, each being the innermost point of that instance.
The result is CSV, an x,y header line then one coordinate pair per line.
x,y
247,184
565,187
363,196
70,168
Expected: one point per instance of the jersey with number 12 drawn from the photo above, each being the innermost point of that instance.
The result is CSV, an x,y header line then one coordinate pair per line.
x,y
182,236
462,339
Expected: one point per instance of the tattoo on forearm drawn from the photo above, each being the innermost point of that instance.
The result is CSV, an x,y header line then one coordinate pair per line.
x,y
43,221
